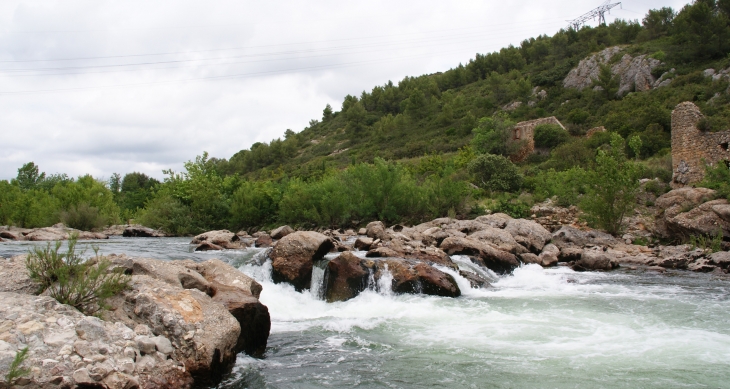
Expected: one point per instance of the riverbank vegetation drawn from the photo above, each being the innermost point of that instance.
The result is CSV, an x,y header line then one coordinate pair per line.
x,y
435,145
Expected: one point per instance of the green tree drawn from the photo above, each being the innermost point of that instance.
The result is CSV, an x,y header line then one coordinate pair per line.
x,y
658,22
493,135
29,176
550,136
611,188
496,173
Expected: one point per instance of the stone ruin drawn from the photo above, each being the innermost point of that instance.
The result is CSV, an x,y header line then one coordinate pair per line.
x,y
525,132
692,148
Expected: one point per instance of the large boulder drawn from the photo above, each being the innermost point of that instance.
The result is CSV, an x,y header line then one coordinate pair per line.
x,y
218,240
496,220
568,236
492,258
676,202
528,233
376,230
414,277
549,255
595,260
346,276
502,239
702,220
293,257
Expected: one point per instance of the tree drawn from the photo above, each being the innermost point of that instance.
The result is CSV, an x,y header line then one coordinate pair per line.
x,y
495,172
115,183
611,187
658,22
494,136
29,176
327,113
356,116
549,136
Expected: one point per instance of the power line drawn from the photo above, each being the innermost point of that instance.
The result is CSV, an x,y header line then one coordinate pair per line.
x,y
596,13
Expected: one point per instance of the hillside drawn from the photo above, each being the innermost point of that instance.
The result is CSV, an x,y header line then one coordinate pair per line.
x,y
446,144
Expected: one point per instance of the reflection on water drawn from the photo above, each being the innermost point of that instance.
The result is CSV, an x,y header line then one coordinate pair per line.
x,y
536,328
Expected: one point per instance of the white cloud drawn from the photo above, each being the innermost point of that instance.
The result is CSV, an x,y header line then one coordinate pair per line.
x,y
292,59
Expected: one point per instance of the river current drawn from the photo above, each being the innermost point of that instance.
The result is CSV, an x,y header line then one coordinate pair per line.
x,y
536,328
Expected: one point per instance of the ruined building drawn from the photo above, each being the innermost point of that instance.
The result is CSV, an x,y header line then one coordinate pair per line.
x,y
524,132
692,148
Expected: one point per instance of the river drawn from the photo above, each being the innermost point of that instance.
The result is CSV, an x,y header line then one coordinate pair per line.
x,y
537,328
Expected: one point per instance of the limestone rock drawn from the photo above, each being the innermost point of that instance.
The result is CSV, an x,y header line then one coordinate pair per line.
x,y
492,258
217,240
376,230
568,236
142,232
496,220
15,277
549,255
281,232
687,211
595,260
499,238
528,233
293,257
363,243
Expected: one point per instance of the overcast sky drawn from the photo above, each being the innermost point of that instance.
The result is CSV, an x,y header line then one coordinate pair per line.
x,y
119,86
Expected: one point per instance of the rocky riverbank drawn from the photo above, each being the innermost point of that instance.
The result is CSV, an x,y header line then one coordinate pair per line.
x,y
61,232
180,323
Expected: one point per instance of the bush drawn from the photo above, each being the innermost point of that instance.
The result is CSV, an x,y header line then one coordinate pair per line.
x,y
611,188
73,281
15,371
718,178
549,136
495,172
255,204
83,217
168,214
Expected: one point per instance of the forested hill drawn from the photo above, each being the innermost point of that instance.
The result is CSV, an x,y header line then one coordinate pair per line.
x,y
436,113
441,145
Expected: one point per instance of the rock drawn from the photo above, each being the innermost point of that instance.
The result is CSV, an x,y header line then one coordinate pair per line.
x,y
722,210
376,230
657,269
475,280
549,256
496,220
142,232
252,316
676,202
363,243
530,258
215,270
499,238
163,345
568,236
595,260
12,235
528,233
263,240
217,240
702,265
362,231
15,276
492,258
293,257
702,220
346,276
721,259
382,252
174,273
47,234
281,232
417,277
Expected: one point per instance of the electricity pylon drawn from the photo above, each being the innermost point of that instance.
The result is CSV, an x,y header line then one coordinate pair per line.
x,y
599,12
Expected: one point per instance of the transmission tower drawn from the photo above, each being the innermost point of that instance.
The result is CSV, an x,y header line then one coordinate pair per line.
x,y
599,13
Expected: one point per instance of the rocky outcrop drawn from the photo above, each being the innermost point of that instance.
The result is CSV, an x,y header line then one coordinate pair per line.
x,y
178,321
690,211
293,257
529,234
218,240
634,73
57,232
136,231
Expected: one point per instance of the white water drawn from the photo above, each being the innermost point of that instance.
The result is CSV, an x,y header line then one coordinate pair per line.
x,y
535,328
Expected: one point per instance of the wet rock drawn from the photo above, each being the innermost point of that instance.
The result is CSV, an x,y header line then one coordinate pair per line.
x,y
570,254
221,239
475,280
528,233
550,256
595,260
363,243
263,240
530,258
346,276
281,232
702,265
142,232
376,230
382,252
252,316
492,258
418,278
293,257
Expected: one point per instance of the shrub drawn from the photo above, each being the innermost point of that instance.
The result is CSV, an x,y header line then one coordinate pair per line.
x,y
67,277
15,371
168,214
514,207
549,136
255,204
611,188
712,243
495,172
83,217
718,178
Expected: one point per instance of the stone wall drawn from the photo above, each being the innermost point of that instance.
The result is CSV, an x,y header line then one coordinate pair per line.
x,y
692,148
525,132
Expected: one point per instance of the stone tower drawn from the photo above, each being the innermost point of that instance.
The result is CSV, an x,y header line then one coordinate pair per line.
x,y
692,149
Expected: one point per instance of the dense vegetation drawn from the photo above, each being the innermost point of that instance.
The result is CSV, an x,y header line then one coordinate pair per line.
x,y
434,145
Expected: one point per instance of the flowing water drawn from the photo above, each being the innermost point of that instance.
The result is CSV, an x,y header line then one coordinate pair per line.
x,y
541,328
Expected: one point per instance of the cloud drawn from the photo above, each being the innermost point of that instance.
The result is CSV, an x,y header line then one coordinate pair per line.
x,y
144,86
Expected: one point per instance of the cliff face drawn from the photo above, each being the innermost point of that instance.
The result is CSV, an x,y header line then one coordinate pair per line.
x,y
634,73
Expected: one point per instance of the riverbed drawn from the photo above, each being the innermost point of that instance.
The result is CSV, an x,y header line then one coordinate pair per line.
x,y
541,328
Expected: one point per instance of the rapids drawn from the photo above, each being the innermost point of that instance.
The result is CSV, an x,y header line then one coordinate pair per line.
x,y
546,328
